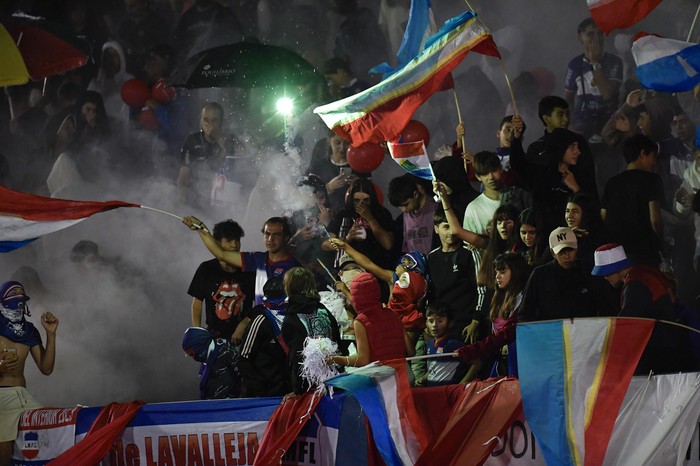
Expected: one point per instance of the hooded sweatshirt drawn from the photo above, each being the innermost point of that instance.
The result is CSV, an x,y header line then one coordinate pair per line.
x,y
384,328
305,317
110,88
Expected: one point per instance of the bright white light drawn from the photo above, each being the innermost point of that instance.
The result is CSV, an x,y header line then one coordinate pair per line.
x,y
285,106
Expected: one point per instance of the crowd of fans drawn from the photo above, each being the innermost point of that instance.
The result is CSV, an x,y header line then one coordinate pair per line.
x,y
518,233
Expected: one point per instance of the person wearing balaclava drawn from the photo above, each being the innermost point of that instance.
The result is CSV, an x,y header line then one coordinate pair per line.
x,y
19,338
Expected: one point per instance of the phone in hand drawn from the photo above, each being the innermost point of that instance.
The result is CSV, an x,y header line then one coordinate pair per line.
x,y
345,171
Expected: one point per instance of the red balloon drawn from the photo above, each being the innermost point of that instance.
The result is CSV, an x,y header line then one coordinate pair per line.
x,y
149,120
135,93
365,158
415,131
162,92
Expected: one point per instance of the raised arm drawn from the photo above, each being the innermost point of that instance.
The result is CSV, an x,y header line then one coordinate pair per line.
x,y
365,262
470,237
46,357
230,257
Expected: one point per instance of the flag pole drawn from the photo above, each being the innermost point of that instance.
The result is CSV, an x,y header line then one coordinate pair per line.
x,y
431,356
200,227
161,211
692,26
326,269
512,96
459,116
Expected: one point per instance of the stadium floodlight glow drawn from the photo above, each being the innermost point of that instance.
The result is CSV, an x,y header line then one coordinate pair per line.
x,y
285,106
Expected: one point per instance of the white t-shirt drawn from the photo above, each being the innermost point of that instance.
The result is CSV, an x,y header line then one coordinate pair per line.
x,y
478,213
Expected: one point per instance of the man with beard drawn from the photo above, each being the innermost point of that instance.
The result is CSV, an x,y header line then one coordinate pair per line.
x,y
18,339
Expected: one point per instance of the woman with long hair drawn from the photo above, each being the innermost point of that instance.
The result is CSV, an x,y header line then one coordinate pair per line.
x,y
503,237
532,242
365,224
567,170
582,216
305,318
330,163
93,124
512,272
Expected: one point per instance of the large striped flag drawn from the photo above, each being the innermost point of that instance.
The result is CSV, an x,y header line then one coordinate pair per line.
x,y
26,217
384,393
412,157
619,14
666,65
573,379
380,113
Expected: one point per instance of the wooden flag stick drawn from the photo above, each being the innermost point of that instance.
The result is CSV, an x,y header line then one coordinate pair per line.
x,y
512,96
459,116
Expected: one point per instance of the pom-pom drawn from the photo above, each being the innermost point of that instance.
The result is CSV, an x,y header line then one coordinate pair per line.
x,y
314,368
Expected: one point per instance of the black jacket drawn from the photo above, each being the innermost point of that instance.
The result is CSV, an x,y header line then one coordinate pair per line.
x,y
305,317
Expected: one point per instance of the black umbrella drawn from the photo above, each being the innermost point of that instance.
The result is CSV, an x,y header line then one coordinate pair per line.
x,y
245,65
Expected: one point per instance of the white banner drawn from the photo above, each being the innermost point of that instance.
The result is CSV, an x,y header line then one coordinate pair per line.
x,y
44,434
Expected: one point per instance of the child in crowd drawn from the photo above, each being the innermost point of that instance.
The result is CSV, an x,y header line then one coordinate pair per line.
x,y
554,113
505,138
408,282
379,334
305,318
533,239
583,218
512,272
503,238
445,370
453,278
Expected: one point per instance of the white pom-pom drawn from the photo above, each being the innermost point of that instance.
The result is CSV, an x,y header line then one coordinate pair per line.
x,y
314,355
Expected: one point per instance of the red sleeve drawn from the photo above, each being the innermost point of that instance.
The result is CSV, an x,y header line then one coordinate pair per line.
x,y
490,344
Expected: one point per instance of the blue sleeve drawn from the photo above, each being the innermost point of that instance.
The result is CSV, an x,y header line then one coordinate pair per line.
x,y
251,260
570,81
